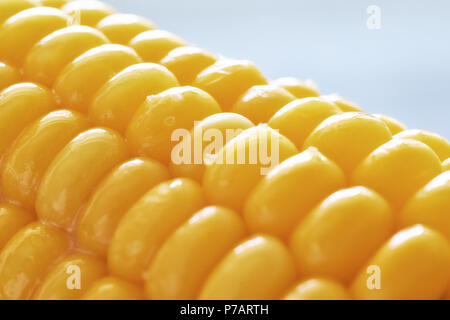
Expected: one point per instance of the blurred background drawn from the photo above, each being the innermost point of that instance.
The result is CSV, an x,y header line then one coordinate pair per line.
x,y
401,69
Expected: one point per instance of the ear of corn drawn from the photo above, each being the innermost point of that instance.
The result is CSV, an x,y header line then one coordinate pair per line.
x,y
89,102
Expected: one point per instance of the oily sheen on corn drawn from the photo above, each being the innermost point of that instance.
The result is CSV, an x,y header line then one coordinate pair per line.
x,y
88,104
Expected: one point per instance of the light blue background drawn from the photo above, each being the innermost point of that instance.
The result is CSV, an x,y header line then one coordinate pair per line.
x,y
402,70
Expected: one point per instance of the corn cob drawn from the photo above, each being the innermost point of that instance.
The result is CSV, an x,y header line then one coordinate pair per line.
x,y
88,103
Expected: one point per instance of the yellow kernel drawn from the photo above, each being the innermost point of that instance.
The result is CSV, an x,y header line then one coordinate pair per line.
x,y
12,219
111,288
98,65
283,197
9,8
211,130
151,130
20,105
120,97
87,12
50,55
26,257
413,264
113,197
318,289
54,3
70,278
343,104
393,124
342,233
300,89
226,80
242,162
121,28
145,227
259,268
187,62
397,169
20,32
153,45
439,144
430,205
8,75
348,138
33,152
260,103
74,173
189,255
299,118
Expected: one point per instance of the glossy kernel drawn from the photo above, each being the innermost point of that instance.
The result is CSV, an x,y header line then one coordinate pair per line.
x,y
12,219
300,89
49,56
261,265
118,99
430,205
20,105
153,45
9,8
190,253
98,65
226,80
87,12
343,104
187,62
32,154
61,282
21,31
393,124
318,289
242,162
75,172
439,144
342,233
348,138
153,126
113,197
26,257
121,28
111,288
145,227
290,191
299,118
397,169
54,3
413,264
260,103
